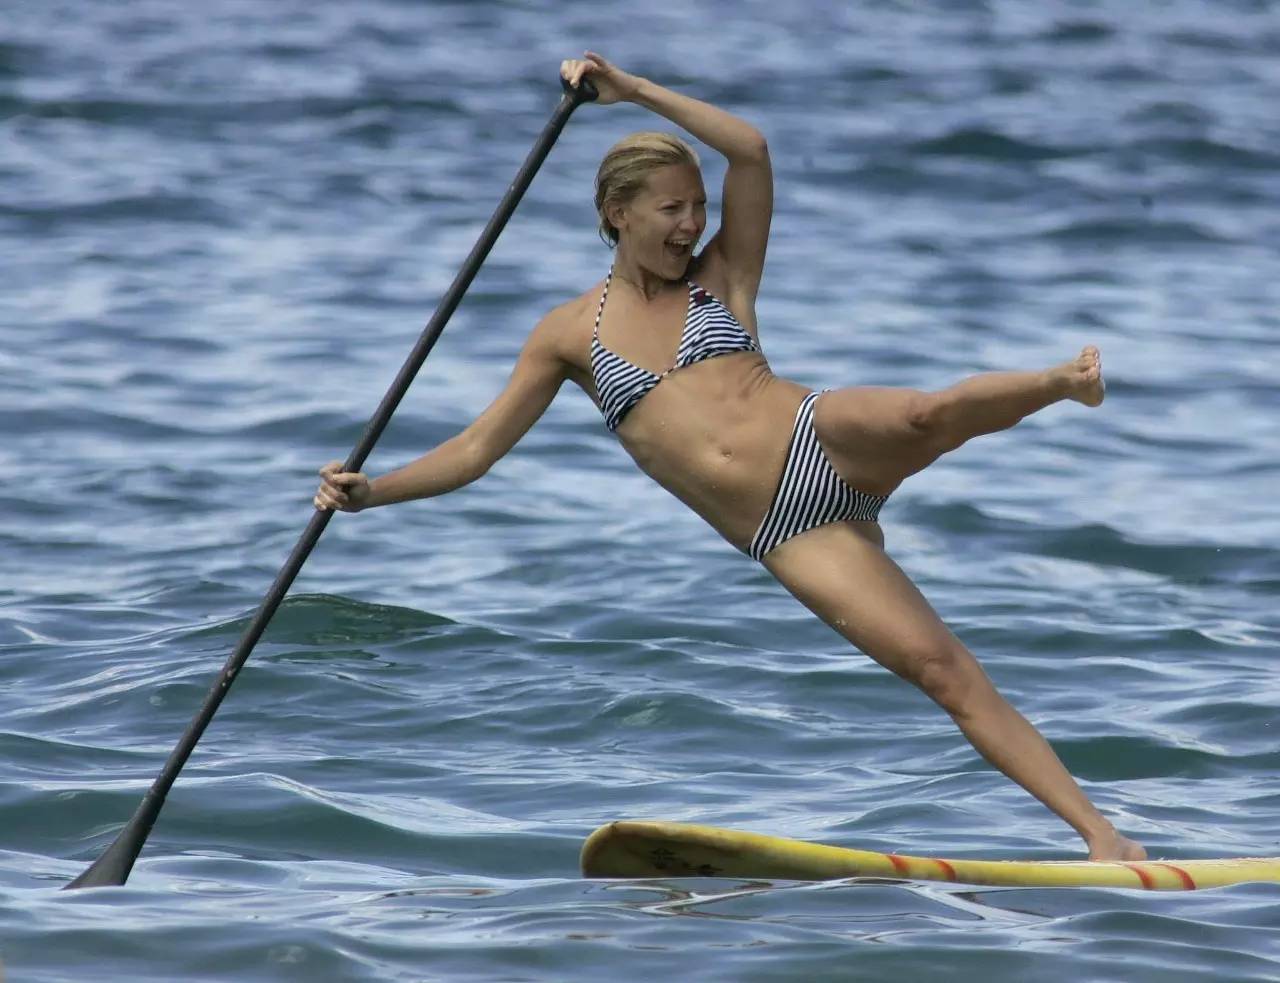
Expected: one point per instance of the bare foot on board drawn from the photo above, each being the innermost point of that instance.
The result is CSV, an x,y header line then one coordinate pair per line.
x,y
1113,846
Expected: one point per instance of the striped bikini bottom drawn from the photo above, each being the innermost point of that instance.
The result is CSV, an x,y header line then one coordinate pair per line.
x,y
810,493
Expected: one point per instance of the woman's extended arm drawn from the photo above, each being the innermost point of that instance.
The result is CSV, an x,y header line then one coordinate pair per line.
x,y
746,208
535,380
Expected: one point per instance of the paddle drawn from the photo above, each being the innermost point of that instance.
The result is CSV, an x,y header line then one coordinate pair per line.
x,y
112,868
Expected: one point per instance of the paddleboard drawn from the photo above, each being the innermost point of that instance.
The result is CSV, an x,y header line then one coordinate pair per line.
x,y
638,848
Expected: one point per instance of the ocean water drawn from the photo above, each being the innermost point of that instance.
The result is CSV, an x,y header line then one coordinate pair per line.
x,y
222,227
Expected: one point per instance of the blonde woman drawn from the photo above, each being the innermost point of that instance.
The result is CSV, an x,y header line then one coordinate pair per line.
x,y
667,346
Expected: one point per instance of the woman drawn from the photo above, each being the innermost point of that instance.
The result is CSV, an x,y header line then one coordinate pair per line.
x,y
793,478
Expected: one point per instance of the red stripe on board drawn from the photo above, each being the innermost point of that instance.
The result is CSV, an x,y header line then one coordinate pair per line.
x,y
900,865
1142,876
947,869
1187,882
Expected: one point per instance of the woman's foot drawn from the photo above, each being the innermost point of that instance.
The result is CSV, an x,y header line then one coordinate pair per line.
x,y
1113,846
1082,377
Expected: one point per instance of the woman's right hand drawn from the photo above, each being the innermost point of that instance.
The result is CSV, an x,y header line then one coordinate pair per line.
x,y
345,491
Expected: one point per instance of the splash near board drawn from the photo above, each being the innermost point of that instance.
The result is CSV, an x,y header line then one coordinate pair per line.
x,y
635,848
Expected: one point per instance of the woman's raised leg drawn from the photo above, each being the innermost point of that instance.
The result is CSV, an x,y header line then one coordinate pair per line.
x,y
877,437
851,583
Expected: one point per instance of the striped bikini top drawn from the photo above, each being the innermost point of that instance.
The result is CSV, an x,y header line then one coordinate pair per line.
x,y
709,330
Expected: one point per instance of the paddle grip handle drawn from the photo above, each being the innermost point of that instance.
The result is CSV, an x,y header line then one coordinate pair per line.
x,y
585,91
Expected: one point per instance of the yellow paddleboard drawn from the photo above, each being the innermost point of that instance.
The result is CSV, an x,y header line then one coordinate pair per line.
x,y
635,848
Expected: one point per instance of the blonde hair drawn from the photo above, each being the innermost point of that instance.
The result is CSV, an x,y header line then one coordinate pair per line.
x,y
627,166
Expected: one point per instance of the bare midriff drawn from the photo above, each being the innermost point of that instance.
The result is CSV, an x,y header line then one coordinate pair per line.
x,y
715,434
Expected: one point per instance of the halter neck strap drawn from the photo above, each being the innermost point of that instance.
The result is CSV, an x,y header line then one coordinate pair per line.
x,y
595,332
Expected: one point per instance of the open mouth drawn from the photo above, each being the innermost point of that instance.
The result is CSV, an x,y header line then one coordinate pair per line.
x,y
680,248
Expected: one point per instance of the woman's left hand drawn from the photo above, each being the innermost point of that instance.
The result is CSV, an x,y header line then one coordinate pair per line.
x,y
613,84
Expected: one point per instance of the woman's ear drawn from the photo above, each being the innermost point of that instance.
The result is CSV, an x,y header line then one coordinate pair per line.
x,y
616,214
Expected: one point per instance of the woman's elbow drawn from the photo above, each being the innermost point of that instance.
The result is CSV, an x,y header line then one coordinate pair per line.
x,y
478,456
484,447
755,148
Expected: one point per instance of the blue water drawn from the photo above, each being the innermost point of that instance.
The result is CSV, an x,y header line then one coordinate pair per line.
x,y
222,227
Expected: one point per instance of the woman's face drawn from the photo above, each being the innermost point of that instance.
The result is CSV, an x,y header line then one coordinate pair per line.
x,y
660,227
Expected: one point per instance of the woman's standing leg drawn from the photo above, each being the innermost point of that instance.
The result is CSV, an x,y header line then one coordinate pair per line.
x,y
849,582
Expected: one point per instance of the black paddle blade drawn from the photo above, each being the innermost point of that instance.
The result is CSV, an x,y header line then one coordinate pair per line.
x,y
109,870
112,868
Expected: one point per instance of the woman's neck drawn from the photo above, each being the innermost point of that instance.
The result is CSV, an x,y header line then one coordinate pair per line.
x,y
650,285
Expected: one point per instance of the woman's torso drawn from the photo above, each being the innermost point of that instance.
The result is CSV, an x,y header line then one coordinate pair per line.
x,y
713,433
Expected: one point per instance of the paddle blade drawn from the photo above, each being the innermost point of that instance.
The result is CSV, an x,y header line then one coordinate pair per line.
x,y
112,868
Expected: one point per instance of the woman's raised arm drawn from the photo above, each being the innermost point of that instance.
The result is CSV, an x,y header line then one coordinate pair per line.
x,y
746,210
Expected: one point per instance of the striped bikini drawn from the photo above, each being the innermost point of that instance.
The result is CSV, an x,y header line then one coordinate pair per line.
x,y
810,493
709,330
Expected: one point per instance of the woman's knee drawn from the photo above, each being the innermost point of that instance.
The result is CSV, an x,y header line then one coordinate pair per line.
x,y
949,675
929,420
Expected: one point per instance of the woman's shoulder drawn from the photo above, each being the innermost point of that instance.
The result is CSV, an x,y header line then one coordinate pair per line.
x,y
567,327
566,316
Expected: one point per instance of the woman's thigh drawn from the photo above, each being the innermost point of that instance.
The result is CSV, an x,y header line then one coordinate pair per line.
x,y
849,582
872,435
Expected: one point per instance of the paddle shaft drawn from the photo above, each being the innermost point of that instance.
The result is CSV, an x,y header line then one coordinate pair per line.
x,y
113,867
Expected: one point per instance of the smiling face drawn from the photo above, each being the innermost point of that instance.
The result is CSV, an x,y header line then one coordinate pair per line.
x,y
660,226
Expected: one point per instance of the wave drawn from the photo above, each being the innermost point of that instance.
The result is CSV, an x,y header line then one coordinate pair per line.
x,y
1115,231
982,143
